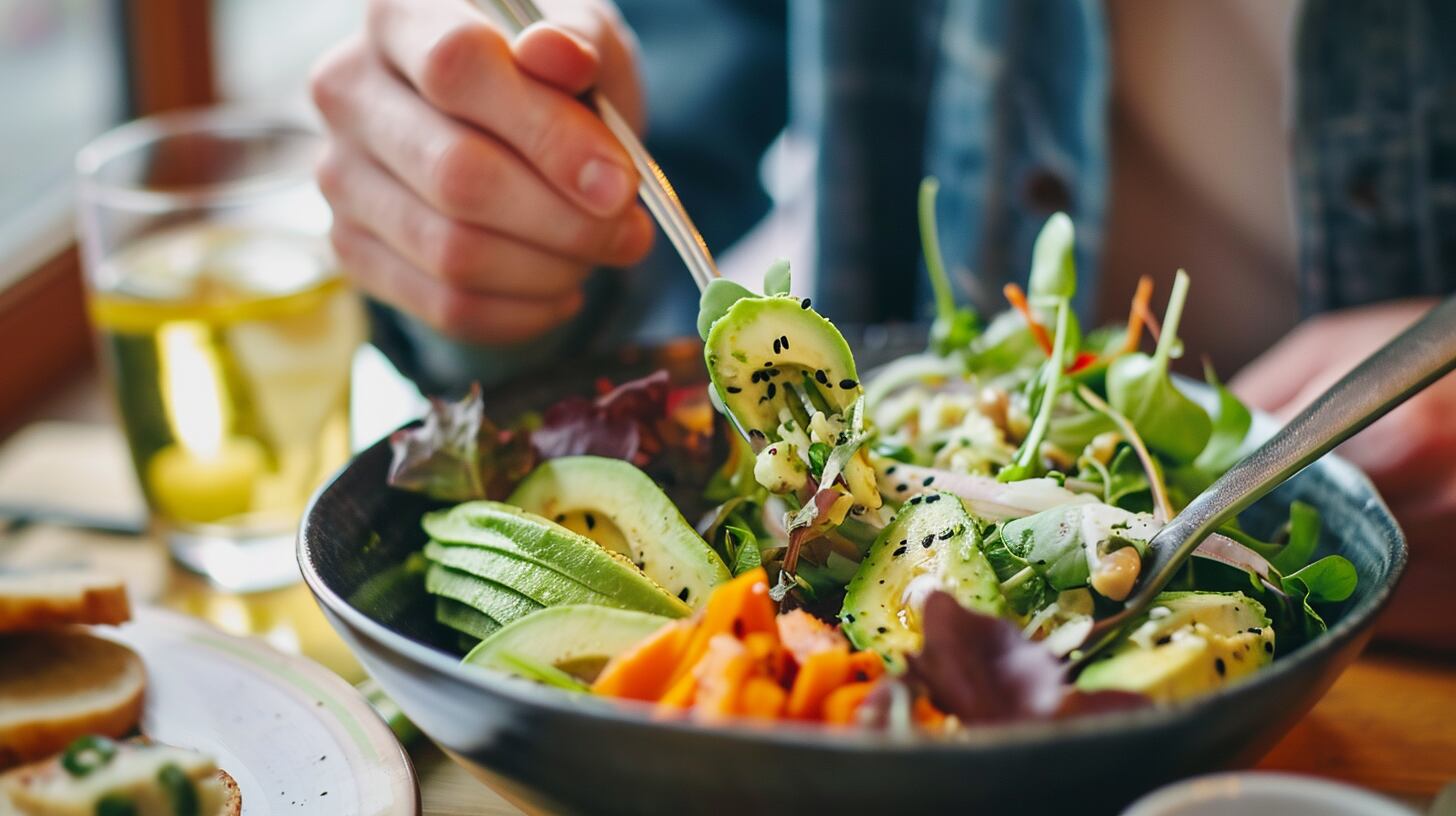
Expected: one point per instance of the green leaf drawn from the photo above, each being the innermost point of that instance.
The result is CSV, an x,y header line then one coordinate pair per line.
x,y
718,297
818,455
777,279
1139,388
1329,580
1050,543
1230,428
1053,264
1025,464
1304,530
744,546
1025,591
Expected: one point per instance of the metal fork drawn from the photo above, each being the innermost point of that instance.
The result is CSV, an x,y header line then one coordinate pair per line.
x,y
1417,357
655,190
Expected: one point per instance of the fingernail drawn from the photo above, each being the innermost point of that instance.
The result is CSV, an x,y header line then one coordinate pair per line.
x,y
605,186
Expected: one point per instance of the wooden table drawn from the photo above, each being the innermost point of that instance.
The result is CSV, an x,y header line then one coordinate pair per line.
x,y
1388,724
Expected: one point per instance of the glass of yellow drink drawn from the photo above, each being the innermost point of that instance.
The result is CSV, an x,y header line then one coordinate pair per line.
x,y
224,327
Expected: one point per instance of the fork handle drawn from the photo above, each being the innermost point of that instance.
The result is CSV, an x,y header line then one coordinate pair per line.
x,y
1417,357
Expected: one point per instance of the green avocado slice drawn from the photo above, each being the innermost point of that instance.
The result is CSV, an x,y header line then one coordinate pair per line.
x,y
1188,644
618,506
932,543
499,601
576,639
751,365
540,583
513,531
465,619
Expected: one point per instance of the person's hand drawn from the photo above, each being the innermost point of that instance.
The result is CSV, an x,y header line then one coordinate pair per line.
x,y
1410,454
470,187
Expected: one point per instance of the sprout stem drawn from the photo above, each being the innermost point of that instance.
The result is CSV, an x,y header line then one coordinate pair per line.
x,y
930,246
1171,318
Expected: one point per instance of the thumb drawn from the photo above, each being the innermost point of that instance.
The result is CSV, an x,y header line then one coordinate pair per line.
x,y
557,57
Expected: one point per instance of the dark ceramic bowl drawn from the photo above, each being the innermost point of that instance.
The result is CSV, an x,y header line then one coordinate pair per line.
x,y
577,755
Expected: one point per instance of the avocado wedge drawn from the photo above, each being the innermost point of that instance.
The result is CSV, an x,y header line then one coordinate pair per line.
x,y
501,603
466,620
513,531
578,640
536,581
619,507
761,345
1188,644
932,543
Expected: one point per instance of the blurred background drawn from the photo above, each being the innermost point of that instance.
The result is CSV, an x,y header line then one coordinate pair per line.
x,y
72,69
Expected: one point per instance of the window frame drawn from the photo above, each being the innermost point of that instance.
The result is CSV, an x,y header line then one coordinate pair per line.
x,y
167,47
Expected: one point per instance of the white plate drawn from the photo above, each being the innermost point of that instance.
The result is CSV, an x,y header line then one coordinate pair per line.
x,y
1253,793
296,737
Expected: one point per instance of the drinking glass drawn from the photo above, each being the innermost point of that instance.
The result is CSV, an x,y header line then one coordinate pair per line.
x,y
224,328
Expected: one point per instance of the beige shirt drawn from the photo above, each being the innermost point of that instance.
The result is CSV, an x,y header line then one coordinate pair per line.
x,y
1200,169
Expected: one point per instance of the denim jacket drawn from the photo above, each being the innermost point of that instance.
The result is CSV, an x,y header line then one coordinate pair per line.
x,y
1006,102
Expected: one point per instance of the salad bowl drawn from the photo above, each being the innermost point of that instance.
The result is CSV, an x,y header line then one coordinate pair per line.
x,y
575,754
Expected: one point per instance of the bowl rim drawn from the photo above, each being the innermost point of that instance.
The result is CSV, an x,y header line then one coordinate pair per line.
x,y
629,713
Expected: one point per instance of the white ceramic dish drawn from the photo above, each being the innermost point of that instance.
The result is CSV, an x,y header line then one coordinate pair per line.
x,y
1253,793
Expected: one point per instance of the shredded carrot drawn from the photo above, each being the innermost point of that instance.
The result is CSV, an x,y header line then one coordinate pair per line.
x,y
736,608
721,673
1141,314
866,666
1018,301
926,715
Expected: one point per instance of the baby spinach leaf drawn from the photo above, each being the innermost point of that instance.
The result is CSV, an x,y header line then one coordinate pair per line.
x,y
1304,530
1329,580
1050,543
1139,388
718,297
1230,428
777,279
1053,264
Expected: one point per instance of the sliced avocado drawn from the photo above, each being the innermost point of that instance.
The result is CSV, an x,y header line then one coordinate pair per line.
x,y
576,639
619,507
464,619
541,584
751,364
513,531
1189,644
499,601
932,543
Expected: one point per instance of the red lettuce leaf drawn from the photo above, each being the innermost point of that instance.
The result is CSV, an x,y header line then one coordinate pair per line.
x,y
981,669
457,453
621,423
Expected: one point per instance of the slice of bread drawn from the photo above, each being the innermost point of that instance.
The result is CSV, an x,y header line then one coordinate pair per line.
x,y
34,600
130,773
234,804
58,685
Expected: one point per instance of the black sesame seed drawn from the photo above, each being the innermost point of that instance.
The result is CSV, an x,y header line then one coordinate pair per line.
x,y
785,342
881,630
915,500
773,372
776,345
847,384
768,363
772,389
1219,667
805,303
899,551
560,517
683,596
755,376
901,488
882,580
733,389
1256,630
927,541
945,536
1164,640
890,471
928,481
1268,647
904,541
849,617
821,377
591,521
932,498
